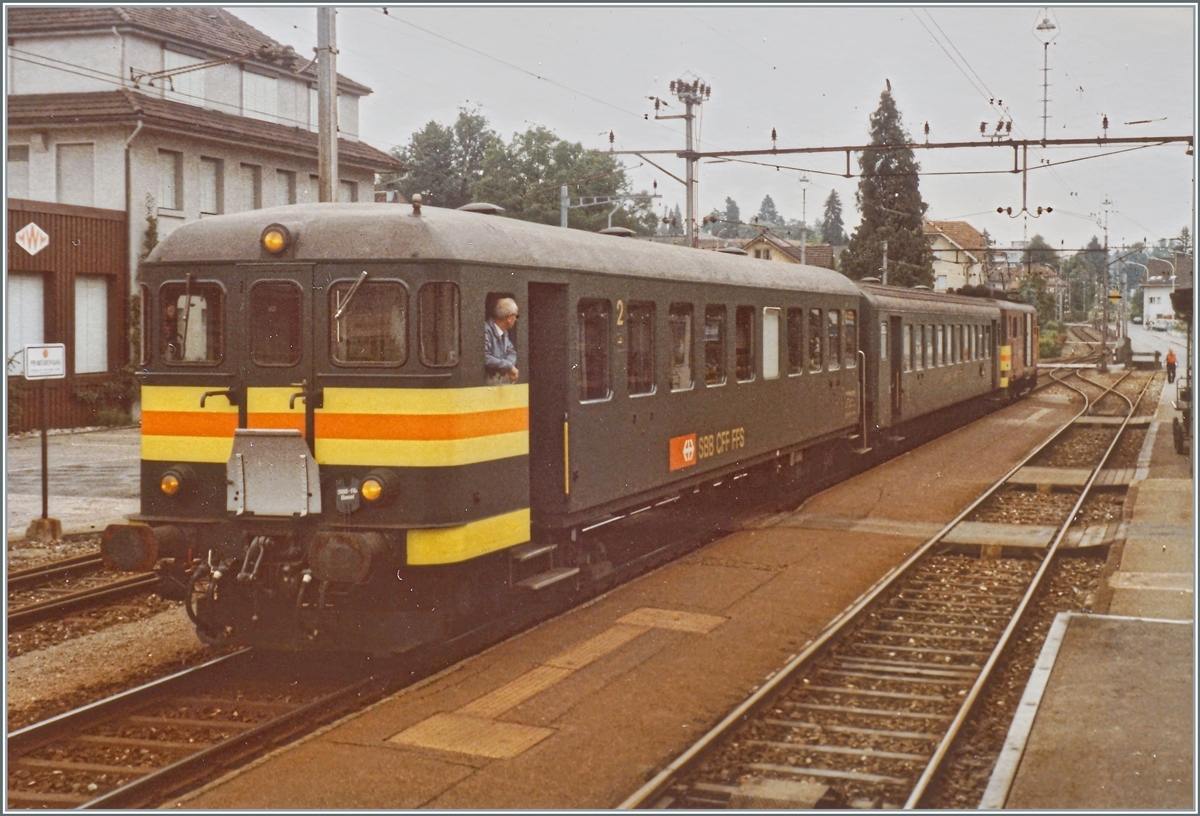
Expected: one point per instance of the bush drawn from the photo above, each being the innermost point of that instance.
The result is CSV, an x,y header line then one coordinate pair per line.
x,y
1050,344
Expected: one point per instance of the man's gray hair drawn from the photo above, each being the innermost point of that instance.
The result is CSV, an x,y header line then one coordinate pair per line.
x,y
503,308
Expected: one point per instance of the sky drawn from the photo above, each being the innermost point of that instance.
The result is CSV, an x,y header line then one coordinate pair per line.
x,y
814,74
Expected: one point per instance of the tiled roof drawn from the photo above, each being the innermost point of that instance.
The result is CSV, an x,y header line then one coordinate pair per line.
x,y
208,27
124,106
960,233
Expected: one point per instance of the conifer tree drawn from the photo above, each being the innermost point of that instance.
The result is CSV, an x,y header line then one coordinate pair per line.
x,y
833,229
889,199
767,214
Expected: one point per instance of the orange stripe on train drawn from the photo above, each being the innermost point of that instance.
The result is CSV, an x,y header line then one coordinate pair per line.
x,y
188,423
421,426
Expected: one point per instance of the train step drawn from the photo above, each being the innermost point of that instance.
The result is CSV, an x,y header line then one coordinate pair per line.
x,y
526,552
548,578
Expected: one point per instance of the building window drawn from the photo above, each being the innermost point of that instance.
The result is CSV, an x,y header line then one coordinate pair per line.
x,y
276,322
639,364
212,186
763,254
18,171
714,345
170,180
75,174
347,191
795,332
679,322
770,343
593,350
259,96
371,326
285,187
815,359
744,343
26,317
192,323
251,187
439,324
834,317
186,87
91,324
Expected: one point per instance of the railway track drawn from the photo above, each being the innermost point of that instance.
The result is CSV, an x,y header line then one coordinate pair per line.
x,y
139,748
57,580
867,712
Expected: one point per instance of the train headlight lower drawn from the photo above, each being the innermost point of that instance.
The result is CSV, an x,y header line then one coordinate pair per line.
x,y
176,480
276,238
380,487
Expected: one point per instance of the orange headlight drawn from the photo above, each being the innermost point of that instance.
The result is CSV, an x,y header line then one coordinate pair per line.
x,y
372,489
276,238
170,484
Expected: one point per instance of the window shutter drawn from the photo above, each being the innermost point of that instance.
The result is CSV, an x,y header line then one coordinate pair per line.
x,y
259,96
91,324
189,87
26,315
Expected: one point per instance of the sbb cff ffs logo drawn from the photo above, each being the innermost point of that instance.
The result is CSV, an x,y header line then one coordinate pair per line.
x,y
683,451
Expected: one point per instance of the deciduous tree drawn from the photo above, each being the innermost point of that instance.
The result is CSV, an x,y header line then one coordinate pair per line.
x,y
445,163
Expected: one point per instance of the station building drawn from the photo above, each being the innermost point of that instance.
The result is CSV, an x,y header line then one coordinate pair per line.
x,y
123,124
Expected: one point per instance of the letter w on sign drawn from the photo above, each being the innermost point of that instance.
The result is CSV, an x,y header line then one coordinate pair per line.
x,y
683,451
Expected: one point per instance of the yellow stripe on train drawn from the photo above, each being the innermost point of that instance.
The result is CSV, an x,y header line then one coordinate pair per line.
x,y
425,400
450,545
184,398
214,449
422,452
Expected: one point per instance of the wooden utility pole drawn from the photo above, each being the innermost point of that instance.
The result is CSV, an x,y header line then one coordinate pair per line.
x,y
327,129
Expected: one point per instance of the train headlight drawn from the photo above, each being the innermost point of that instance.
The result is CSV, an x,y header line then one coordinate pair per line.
x,y
176,480
276,238
380,486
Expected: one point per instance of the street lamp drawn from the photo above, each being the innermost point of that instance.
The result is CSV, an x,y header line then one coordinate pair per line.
x,y
804,182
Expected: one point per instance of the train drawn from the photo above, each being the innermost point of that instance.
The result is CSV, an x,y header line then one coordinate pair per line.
x,y
326,466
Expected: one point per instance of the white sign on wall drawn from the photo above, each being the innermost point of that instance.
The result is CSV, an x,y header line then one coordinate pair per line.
x,y
32,238
46,362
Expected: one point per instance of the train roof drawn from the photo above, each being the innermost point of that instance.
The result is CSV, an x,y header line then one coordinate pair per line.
x,y
366,232
896,298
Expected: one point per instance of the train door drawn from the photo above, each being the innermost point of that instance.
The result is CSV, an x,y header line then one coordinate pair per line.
x,y
277,361
896,355
548,340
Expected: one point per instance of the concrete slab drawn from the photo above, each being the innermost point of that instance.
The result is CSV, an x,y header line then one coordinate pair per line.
x,y
1008,535
1113,728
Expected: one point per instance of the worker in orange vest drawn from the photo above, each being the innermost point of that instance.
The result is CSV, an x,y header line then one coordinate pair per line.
x,y
1170,365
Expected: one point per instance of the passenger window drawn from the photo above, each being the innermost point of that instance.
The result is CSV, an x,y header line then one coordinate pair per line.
x,y
966,342
883,341
850,333
714,345
815,329
907,345
927,345
987,342
639,364
276,318
956,332
918,347
594,350
744,339
770,343
835,339
368,322
795,338
192,323
679,321
939,351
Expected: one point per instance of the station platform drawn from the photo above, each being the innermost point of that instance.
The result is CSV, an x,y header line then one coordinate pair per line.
x,y
1107,718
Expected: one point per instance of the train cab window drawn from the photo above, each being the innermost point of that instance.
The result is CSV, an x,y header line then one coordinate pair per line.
x,y
816,361
368,322
883,341
907,346
939,351
439,326
594,350
192,323
714,345
276,323
639,365
850,336
795,341
679,322
744,340
834,317
770,343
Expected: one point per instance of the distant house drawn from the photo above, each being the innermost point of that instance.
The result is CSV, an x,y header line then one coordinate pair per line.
x,y
768,247
123,120
958,254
